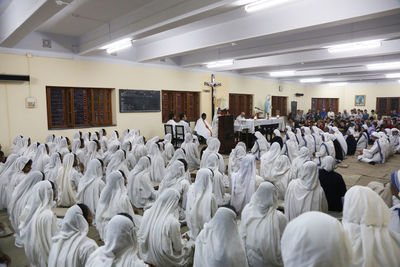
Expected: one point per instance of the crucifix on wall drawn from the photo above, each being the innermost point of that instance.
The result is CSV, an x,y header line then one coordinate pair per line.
x,y
213,84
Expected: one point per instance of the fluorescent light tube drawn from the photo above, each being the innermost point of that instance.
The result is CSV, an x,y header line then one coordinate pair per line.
x,y
283,73
218,64
118,45
262,4
311,80
393,75
338,84
354,46
384,66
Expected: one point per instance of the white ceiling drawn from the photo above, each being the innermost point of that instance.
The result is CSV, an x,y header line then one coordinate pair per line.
x,y
190,33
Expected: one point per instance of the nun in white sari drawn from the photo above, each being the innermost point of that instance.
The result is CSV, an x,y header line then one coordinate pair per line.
x,y
305,193
169,149
260,146
51,169
213,145
192,152
140,190
327,148
91,185
22,168
376,153
117,163
157,169
66,176
113,200
309,140
201,204
280,175
317,138
8,170
262,227
235,157
20,199
268,160
71,246
219,244
159,235
290,147
366,219
244,183
297,163
38,224
316,239
219,181
41,159
63,147
120,245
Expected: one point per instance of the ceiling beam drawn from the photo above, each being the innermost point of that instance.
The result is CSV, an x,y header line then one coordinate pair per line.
x,y
314,14
155,17
378,28
22,17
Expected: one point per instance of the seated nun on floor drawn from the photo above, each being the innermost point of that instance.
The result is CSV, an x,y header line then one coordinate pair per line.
x,y
375,154
71,247
305,193
262,227
395,210
219,243
315,239
260,146
160,241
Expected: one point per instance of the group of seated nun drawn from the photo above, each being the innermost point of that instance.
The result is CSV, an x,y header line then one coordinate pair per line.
x,y
156,205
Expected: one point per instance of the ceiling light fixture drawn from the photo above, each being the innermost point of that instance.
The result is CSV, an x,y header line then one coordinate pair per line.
x,y
283,73
118,45
393,75
221,63
354,46
338,84
384,66
311,80
262,4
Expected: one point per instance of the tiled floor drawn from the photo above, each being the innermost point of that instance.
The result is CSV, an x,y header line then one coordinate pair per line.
x,y
355,174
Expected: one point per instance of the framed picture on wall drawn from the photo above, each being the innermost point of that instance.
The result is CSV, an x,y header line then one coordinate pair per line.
x,y
359,100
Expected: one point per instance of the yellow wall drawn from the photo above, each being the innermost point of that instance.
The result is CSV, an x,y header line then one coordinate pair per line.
x,y
15,119
347,93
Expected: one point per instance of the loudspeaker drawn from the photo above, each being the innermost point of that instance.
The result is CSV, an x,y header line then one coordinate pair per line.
x,y
298,94
293,108
14,78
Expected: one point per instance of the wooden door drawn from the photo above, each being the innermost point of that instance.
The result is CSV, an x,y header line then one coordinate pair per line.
x,y
239,103
279,105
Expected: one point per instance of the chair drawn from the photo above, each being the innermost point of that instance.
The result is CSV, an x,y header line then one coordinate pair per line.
x,y
179,135
168,129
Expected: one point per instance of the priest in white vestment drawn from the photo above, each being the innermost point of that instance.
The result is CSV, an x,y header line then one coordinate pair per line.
x,y
202,127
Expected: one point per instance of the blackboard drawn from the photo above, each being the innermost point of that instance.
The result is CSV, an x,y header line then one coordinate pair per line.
x,y
139,101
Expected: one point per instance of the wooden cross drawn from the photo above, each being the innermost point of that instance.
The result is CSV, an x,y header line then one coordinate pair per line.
x,y
213,85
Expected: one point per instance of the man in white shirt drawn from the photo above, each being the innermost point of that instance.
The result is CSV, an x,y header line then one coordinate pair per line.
x,y
183,122
331,114
202,127
241,117
171,121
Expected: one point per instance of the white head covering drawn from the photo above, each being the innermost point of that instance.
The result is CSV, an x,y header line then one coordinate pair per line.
x,y
157,170
66,194
219,244
315,239
213,145
19,200
365,219
277,133
120,245
244,183
201,204
235,157
140,190
268,160
51,169
280,175
116,162
302,157
113,200
328,163
38,224
41,158
260,219
174,172
291,146
91,185
305,193
160,229
71,247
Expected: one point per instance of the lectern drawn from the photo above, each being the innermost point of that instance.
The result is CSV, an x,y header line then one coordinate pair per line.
x,y
226,133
